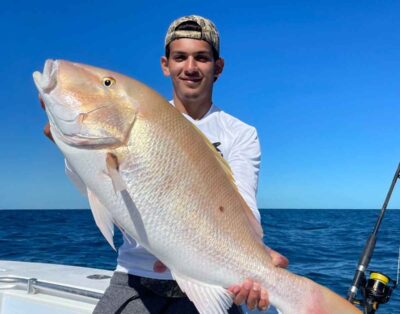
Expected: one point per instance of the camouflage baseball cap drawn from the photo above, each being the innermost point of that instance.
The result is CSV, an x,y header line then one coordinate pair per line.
x,y
208,31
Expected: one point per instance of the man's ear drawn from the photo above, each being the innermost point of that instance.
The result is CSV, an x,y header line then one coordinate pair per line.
x,y
164,66
219,66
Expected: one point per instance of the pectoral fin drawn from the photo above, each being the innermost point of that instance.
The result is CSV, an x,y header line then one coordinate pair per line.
x,y
113,171
207,298
102,217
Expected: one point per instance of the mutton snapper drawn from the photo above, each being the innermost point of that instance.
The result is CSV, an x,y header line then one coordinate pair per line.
x,y
153,174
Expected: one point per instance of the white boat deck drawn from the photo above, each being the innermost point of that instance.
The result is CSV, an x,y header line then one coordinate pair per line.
x,y
46,294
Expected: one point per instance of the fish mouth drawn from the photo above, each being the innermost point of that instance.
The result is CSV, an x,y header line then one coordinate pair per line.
x,y
46,81
63,119
71,120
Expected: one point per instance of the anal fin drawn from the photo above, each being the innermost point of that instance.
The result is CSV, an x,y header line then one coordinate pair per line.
x,y
208,299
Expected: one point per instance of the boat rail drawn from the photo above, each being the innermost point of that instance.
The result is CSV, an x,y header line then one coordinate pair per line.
x,y
32,283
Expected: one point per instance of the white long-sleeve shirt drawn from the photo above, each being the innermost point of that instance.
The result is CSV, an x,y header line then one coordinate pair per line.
x,y
239,145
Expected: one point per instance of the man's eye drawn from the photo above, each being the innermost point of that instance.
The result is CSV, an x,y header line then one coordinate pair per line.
x,y
203,58
179,58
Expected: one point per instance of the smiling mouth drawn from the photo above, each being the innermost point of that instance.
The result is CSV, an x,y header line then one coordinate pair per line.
x,y
191,80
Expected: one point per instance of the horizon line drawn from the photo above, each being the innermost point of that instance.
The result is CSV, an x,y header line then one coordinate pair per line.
x,y
261,208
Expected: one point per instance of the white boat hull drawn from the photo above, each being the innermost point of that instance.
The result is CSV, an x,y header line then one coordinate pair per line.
x,y
47,295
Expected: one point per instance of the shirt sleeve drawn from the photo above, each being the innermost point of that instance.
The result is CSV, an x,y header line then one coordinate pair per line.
x,y
244,160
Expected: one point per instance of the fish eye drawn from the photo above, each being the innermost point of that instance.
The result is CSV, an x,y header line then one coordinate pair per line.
x,y
108,81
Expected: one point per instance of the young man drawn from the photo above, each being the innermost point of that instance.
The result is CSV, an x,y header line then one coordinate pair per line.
x,y
141,283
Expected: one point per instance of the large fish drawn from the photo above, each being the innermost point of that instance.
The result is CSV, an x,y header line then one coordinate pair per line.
x,y
154,175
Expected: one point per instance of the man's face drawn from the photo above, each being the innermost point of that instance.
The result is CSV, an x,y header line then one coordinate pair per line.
x,y
192,68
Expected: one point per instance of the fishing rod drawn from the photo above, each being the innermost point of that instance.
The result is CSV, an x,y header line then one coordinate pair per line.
x,y
379,287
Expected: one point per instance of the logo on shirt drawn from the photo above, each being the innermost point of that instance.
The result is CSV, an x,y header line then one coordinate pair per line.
x,y
216,144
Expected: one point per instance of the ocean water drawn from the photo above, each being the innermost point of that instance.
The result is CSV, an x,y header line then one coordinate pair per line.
x,y
323,245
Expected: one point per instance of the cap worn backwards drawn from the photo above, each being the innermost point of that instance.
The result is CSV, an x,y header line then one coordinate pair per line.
x,y
208,31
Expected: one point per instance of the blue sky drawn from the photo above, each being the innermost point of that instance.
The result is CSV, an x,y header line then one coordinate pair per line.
x,y
318,79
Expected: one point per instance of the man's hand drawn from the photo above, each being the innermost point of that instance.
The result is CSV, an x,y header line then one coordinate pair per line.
x,y
277,259
251,292
46,129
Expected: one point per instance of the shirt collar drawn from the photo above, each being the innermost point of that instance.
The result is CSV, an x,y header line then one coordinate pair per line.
x,y
212,109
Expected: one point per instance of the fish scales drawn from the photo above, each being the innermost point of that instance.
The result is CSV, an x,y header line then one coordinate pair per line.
x,y
192,220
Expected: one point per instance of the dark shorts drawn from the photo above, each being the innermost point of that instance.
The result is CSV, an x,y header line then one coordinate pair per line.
x,y
133,294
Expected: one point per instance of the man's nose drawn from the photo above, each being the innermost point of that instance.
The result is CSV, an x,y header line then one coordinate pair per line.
x,y
191,66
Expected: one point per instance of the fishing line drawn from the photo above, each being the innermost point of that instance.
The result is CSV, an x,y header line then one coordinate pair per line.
x,y
398,267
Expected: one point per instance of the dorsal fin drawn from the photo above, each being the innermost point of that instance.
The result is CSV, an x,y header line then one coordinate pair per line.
x,y
254,223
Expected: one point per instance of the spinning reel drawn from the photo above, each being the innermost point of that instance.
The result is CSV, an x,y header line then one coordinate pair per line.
x,y
375,291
